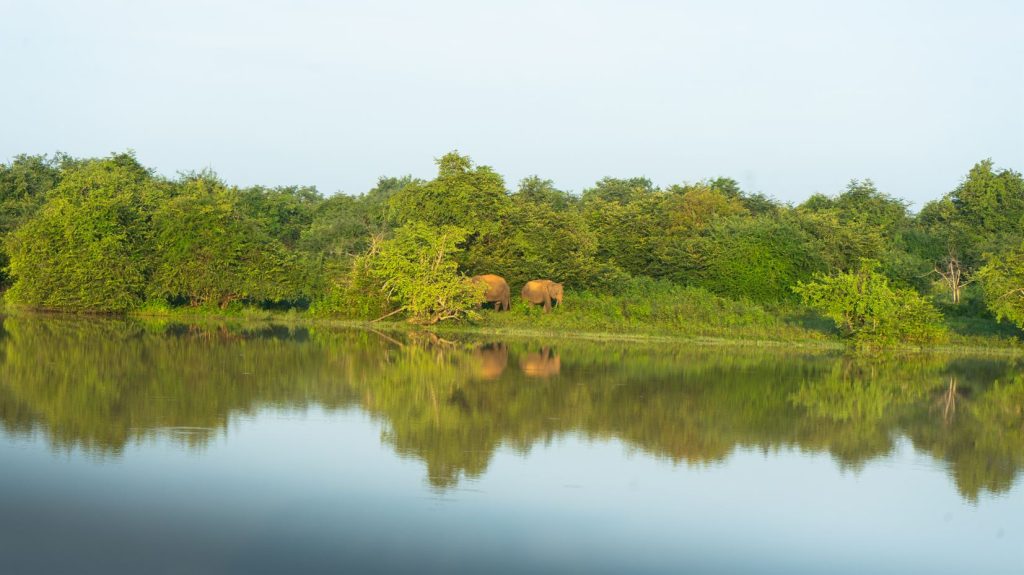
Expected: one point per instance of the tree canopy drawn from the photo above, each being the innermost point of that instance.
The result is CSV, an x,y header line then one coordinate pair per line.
x,y
109,234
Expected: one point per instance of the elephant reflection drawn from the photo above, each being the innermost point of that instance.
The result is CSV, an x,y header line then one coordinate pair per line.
x,y
544,363
490,360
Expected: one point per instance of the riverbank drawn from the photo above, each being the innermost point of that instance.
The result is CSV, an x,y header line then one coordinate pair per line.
x,y
783,328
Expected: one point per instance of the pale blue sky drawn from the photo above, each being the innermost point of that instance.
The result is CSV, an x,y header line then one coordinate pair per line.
x,y
788,97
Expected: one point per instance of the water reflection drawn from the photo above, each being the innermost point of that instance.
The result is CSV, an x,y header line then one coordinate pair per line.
x,y
100,385
542,364
493,359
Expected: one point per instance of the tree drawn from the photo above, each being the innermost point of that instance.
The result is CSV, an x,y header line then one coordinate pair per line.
x,y
629,231
982,215
23,186
284,212
758,258
538,240
343,225
208,250
620,191
868,310
462,195
536,190
1002,281
417,272
87,248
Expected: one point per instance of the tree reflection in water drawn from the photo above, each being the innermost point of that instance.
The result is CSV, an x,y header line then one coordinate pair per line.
x,y
100,385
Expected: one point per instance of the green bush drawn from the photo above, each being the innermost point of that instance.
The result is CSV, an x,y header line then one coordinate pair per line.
x,y
415,272
658,307
87,248
868,310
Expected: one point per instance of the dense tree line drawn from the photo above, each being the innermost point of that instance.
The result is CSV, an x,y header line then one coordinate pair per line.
x,y
109,234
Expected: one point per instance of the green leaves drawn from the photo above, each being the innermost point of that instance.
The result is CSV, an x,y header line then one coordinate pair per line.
x,y
208,251
865,308
416,272
472,198
86,249
1002,281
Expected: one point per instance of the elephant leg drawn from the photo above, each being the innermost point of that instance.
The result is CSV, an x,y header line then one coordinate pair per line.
x,y
547,304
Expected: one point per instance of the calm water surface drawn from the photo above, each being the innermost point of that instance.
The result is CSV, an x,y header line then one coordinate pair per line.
x,y
152,448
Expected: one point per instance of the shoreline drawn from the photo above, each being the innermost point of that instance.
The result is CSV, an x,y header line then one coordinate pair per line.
x,y
995,347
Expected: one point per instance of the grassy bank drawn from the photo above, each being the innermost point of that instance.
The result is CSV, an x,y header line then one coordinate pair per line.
x,y
679,314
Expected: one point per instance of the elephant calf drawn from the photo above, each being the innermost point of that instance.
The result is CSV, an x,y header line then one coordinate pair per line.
x,y
543,292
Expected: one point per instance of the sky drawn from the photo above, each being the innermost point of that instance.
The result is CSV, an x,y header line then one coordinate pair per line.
x,y
787,97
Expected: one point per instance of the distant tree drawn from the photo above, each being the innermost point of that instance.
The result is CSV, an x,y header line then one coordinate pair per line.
x,y
339,228
284,212
620,191
535,190
982,215
691,209
628,234
343,225
539,240
755,203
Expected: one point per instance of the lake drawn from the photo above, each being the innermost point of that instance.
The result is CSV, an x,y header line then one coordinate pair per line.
x,y
155,447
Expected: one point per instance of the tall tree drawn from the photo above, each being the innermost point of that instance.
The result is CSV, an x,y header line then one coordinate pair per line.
x,y
209,250
88,246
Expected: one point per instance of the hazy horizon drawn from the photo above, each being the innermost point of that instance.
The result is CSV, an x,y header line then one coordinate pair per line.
x,y
788,99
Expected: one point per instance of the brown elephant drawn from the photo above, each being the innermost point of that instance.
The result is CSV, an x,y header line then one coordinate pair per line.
x,y
497,291
543,292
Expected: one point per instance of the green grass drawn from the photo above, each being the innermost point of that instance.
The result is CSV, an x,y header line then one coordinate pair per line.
x,y
661,310
646,310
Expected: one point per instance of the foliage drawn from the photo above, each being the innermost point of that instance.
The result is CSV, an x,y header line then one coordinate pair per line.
x,y
867,309
23,186
539,240
354,295
417,272
283,212
463,195
982,215
88,247
342,225
105,235
657,307
1002,280
760,258
209,251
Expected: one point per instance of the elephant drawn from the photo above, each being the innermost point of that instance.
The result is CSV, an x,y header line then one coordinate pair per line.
x,y
543,292
497,290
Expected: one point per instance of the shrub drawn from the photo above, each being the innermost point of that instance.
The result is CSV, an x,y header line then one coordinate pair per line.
x,y
867,309
414,272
